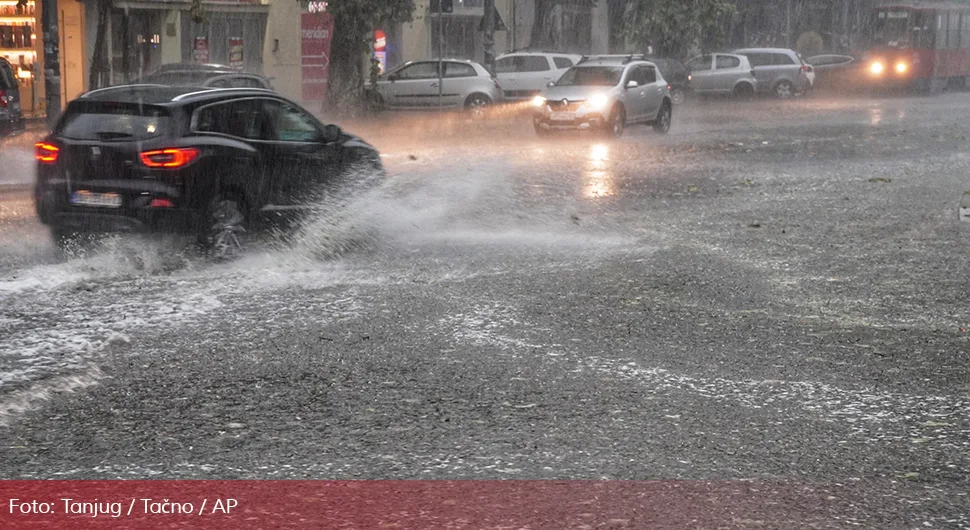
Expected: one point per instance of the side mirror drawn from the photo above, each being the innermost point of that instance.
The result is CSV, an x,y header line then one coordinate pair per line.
x,y
632,84
331,133
551,84
392,78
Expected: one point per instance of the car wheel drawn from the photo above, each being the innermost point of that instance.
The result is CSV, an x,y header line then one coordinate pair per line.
x,y
678,96
784,90
744,91
616,123
541,132
477,105
224,235
662,123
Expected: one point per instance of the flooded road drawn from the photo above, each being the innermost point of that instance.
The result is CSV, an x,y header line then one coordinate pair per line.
x,y
771,291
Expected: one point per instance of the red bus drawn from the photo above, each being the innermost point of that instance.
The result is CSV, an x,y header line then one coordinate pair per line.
x,y
922,45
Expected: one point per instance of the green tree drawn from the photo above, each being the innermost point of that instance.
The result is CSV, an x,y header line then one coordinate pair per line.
x,y
354,22
675,27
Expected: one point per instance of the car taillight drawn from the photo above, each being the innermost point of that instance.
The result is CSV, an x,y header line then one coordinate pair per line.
x,y
806,68
169,158
46,152
4,98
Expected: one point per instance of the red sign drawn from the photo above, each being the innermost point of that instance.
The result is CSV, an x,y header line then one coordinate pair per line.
x,y
380,41
316,35
200,54
236,52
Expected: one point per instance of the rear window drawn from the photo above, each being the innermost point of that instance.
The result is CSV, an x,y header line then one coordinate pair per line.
x,y
117,121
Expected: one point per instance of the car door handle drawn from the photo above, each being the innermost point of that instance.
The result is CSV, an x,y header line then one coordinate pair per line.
x,y
434,85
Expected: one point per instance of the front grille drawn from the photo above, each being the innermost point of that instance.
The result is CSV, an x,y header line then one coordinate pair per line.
x,y
559,106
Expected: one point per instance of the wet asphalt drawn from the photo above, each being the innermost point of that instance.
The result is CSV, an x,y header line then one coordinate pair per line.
x,y
774,291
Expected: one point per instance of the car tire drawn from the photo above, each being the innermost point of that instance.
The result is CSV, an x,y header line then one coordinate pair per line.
x,y
744,91
678,96
616,123
783,90
661,124
224,230
477,106
540,131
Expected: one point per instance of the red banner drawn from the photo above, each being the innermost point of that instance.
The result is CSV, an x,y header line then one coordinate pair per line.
x,y
316,35
200,52
422,504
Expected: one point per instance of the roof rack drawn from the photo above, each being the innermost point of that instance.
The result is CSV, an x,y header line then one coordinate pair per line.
x,y
626,57
120,87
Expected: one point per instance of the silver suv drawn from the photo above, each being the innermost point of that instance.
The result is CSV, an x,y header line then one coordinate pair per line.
x,y
779,71
722,73
523,74
605,93
414,85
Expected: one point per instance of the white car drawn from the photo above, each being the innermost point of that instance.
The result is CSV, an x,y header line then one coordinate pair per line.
x,y
414,86
523,74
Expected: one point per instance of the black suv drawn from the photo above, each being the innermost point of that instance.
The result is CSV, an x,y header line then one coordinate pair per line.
x,y
11,117
213,162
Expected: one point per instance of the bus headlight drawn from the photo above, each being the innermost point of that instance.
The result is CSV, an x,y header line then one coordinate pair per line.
x,y
876,68
901,68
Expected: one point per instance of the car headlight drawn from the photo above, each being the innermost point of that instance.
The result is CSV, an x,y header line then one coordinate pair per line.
x,y
876,68
597,102
901,68
538,102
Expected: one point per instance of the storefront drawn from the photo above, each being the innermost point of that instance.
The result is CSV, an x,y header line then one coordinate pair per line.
x,y
18,25
143,35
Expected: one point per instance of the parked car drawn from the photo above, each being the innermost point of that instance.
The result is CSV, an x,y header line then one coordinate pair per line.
x,y
523,74
211,162
11,117
204,75
722,74
779,71
677,76
605,93
836,72
414,85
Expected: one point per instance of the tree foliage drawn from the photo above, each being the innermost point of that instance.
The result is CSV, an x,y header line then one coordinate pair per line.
x,y
546,31
354,22
675,27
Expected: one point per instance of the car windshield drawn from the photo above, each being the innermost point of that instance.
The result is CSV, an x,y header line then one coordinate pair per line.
x,y
891,28
591,76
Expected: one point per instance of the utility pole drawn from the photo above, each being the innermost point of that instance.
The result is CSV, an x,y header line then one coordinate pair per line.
x,y
441,47
52,63
488,35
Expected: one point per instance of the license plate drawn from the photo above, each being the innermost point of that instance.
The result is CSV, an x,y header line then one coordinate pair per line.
x,y
103,200
563,116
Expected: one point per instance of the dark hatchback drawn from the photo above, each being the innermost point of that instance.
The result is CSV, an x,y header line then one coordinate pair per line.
x,y
213,162
677,76
11,118
204,75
